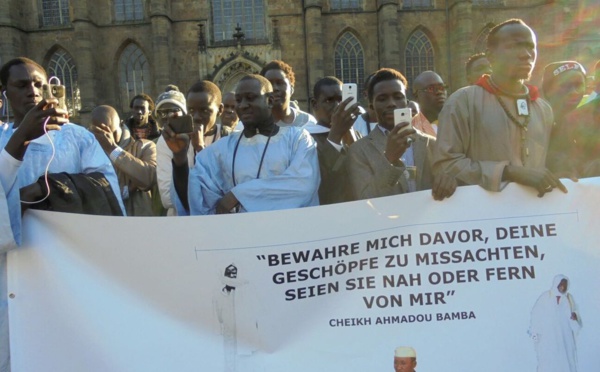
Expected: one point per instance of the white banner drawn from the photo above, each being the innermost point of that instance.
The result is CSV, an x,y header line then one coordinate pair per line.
x,y
467,283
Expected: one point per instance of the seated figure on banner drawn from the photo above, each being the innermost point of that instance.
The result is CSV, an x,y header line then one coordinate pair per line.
x,y
27,152
394,158
333,134
555,323
405,359
498,130
264,167
177,150
134,160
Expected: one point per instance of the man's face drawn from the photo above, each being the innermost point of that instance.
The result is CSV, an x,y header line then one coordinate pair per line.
x,y
203,108
515,54
405,364
140,110
253,107
229,117
168,110
562,286
481,66
431,93
566,91
329,98
24,88
282,89
388,95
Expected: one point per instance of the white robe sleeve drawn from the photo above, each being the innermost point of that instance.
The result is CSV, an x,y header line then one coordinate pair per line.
x,y
10,207
296,187
206,185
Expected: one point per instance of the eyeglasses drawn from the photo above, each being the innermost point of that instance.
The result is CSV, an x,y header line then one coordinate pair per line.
x,y
165,112
437,88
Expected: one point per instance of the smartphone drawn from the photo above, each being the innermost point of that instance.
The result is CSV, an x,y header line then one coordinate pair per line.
x,y
56,91
182,124
403,115
349,90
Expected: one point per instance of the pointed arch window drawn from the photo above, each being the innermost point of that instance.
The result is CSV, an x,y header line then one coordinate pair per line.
x,y
350,60
249,14
63,67
134,74
55,13
128,10
419,55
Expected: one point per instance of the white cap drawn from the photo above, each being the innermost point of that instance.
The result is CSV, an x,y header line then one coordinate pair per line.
x,y
405,352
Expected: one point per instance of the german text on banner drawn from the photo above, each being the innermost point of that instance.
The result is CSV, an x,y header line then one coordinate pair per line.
x,y
490,282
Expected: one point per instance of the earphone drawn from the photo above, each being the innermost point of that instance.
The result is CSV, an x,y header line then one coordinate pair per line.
x,y
5,108
51,157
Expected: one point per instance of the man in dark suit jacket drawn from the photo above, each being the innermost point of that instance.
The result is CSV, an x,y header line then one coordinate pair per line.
x,y
333,134
393,159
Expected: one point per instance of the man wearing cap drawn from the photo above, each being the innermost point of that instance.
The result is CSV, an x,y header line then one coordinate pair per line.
x,y
563,86
168,104
498,130
405,359
204,104
581,142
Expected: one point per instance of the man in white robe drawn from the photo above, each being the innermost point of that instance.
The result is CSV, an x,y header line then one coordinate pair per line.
x,y
264,167
25,154
555,322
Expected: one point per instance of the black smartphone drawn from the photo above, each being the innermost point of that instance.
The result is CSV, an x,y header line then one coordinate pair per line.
x,y
182,124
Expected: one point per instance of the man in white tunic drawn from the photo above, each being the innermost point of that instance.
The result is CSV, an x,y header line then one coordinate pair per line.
x,y
555,322
25,154
498,130
264,167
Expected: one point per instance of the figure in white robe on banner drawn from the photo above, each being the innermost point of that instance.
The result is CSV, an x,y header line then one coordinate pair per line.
x,y
555,323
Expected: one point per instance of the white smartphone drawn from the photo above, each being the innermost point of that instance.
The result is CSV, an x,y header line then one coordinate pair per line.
x,y
349,90
403,115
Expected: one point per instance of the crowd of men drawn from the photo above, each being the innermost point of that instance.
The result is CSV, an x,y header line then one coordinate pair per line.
x,y
254,150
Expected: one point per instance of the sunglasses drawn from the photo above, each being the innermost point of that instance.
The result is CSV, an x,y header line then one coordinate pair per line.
x,y
437,88
166,112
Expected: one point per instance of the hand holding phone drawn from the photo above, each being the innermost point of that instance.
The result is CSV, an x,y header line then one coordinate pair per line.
x,y
349,90
403,115
55,91
182,124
